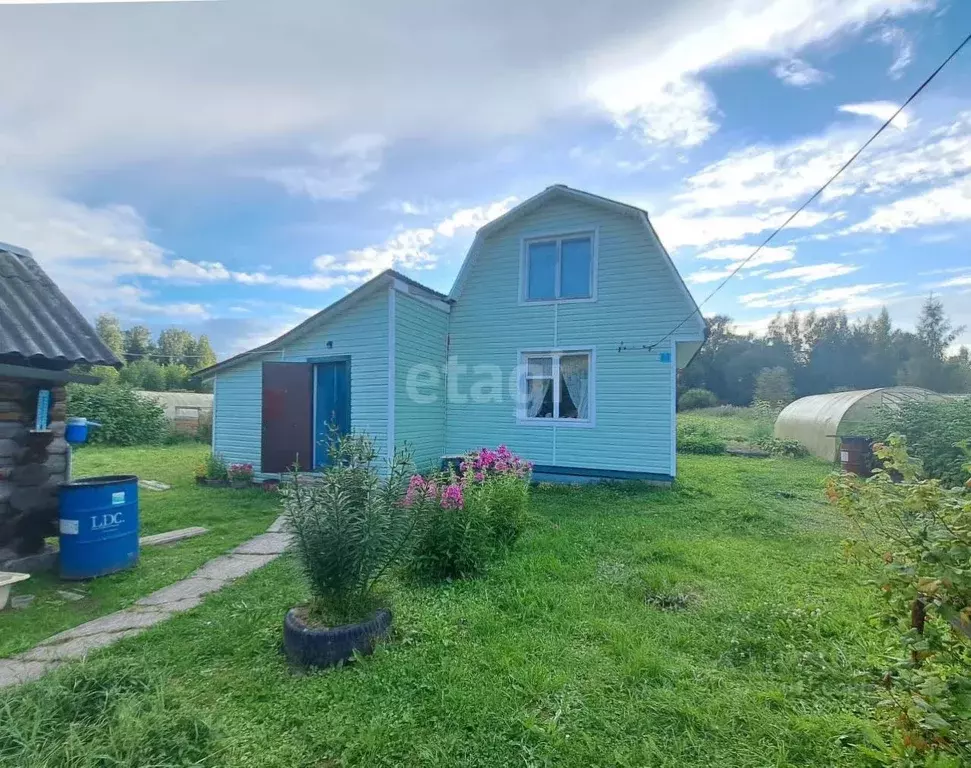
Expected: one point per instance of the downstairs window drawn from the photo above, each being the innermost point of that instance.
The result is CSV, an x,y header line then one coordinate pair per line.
x,y
557,387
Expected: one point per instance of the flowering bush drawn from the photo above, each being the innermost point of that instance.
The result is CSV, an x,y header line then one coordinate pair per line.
x,y
916,536
486,463
469,516
240,473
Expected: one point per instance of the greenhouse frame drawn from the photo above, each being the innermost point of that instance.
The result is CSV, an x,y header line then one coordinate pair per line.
x,y
819,421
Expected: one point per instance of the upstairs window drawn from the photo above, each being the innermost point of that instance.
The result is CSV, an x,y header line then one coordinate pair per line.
x,y
559,268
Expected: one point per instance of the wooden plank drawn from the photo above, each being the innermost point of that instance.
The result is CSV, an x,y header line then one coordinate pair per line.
x,y
170,537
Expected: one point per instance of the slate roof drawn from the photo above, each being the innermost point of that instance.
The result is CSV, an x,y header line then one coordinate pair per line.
x,y
38,324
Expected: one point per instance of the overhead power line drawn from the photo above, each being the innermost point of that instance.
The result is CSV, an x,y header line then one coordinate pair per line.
x,y
801,208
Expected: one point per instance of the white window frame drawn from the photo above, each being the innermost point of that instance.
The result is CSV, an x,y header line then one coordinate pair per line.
x,y
556,354
558,237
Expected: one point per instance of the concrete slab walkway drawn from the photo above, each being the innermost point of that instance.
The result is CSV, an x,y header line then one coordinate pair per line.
x,y
76,643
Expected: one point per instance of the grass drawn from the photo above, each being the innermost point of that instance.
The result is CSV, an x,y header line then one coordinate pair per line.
x,y
735,425
712,624
231,517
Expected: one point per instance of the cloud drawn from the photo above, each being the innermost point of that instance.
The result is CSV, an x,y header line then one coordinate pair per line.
x,y
752,190
707,276
881,110
798,73
850,298
903,49
955,282
474,218
681,230
340,172
770,254
82,2
813,272
407,207
99,87
411,248
757,326
940,205
739,253
675,112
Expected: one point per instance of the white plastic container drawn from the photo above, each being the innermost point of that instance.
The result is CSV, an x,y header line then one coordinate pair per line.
x,y
7,580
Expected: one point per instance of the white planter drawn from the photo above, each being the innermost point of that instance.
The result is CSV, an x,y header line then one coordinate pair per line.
x,y
7,580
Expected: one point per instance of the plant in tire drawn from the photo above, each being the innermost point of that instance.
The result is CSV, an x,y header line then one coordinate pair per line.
x,y
349,528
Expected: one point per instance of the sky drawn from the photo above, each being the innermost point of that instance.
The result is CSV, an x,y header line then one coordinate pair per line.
x,y
234,167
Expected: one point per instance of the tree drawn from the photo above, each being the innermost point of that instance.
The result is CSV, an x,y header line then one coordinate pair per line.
x,y
174,344
109,329
928,364
202,354
144,374
138,343
830,353
176,376
934,329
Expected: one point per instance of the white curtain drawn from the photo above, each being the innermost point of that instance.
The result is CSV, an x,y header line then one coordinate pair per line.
x,y
575,372
536,392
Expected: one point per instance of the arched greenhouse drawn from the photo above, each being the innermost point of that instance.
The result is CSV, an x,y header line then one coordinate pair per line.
x,y
818,421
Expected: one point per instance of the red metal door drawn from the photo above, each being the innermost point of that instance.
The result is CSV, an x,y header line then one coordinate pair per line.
x,y
287,416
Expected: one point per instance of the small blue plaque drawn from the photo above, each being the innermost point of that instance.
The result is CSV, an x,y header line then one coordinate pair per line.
x,y
665,357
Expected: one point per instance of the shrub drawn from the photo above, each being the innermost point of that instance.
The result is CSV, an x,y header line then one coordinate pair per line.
x,y
349,528
455,539
144,374
934,432
213,468
916,537
125,418
696,398
774,385
699,438
779,447
506,478
466,518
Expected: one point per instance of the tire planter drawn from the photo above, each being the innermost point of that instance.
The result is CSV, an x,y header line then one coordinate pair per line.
x,y
318,647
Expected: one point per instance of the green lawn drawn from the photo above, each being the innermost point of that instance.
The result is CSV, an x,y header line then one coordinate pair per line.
x,y
231,517
736,425
715,624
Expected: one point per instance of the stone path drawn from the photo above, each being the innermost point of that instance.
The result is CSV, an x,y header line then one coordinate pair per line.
x,y
76,643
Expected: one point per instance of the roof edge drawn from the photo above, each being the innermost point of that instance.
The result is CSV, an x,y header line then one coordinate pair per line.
x,y
525,207
382,280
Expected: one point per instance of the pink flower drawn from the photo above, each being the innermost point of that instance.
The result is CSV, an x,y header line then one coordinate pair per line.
x,y
452,497
480,477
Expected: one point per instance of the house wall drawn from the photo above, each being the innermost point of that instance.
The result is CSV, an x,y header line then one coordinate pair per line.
x,y
360,332
639,300
420,338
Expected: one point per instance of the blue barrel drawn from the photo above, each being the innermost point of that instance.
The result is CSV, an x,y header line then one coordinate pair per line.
x,y
98,526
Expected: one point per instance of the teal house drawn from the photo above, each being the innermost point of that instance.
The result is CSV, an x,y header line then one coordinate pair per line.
x,y
561,337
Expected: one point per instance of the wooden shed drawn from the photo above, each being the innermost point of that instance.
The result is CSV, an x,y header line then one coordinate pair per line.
x,y
42,336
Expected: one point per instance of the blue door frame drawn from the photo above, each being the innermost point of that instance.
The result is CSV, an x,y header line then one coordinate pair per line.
x,y
332,404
